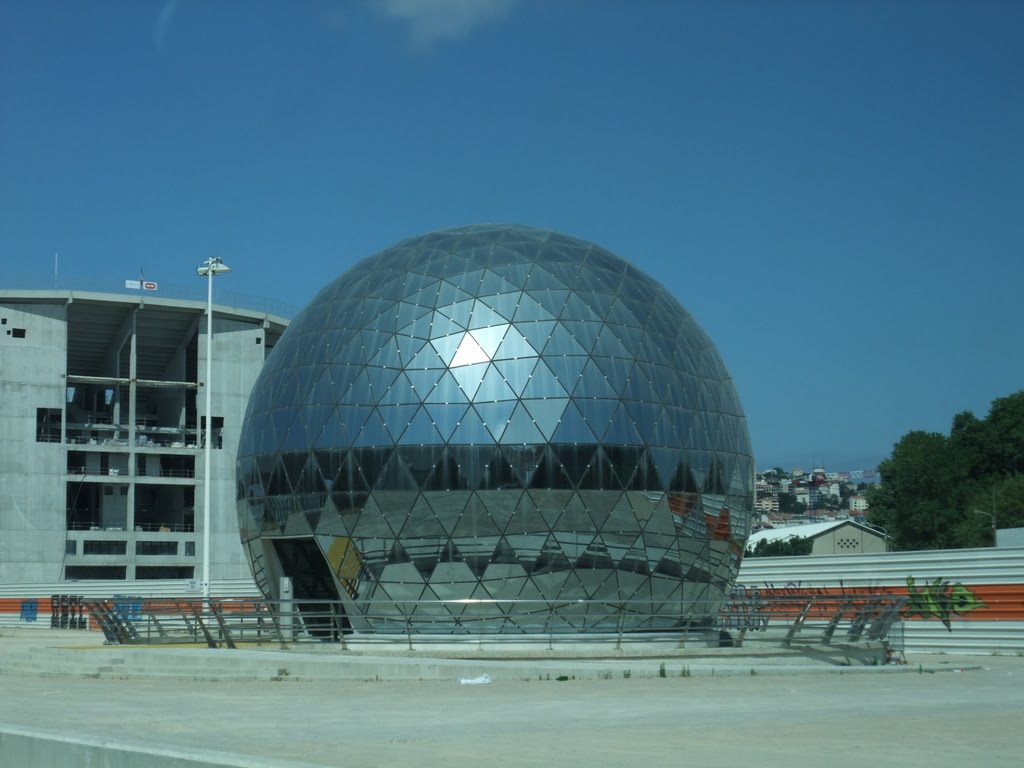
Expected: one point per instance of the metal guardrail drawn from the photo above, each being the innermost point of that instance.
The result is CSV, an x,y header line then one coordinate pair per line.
x,y
225,298
226,622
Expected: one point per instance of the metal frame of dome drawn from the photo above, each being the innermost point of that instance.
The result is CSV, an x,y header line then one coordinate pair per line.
x,y
498,413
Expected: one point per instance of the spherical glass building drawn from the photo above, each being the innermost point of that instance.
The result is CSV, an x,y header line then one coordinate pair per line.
x,y
497,413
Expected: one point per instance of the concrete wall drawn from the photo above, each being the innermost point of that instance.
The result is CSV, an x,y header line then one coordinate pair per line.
x,y
238,354
32,496
117,333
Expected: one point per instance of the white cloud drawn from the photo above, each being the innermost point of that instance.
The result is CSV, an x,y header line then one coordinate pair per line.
x,y
431,21
163,22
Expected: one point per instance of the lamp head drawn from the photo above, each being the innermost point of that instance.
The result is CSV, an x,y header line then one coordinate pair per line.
x,y
212,266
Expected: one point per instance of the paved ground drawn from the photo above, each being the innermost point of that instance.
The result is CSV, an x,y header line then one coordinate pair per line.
x,y
880,717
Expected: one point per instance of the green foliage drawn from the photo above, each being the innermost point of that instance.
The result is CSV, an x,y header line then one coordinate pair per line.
x,y
797,545
932,484
788,505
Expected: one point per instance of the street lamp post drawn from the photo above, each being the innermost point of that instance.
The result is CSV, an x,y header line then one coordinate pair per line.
x,y
991,516
209,269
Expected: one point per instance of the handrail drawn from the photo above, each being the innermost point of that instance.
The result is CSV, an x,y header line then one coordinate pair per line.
x,y
806,618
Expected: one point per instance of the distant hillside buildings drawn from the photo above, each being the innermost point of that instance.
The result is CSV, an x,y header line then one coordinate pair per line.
x,y
783,498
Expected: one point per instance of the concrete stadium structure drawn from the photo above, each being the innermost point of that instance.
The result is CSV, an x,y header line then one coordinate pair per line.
x,y
102,430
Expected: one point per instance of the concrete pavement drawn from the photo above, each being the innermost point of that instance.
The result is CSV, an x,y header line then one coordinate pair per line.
x,y
930,714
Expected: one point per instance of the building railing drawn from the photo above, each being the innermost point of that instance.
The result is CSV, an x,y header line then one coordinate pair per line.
x,y
791,620
140,528
225,298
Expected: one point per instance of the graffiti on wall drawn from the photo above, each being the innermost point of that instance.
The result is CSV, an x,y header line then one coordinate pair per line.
x,y
940,600
750,608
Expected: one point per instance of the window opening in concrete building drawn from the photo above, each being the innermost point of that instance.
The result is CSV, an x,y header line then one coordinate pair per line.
x,y
164,572
18,333
48,425
165,508
156,548
217,422
107,572
102,547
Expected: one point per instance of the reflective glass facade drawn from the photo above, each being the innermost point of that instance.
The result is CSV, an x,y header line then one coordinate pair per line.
x,y
496,412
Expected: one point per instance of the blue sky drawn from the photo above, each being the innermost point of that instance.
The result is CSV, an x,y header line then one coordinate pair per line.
x,y
834,190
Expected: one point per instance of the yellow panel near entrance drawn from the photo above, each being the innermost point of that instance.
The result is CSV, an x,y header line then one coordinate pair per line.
x,y
345,562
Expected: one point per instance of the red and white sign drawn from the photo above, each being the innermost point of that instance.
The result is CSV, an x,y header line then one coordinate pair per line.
x,y
140,285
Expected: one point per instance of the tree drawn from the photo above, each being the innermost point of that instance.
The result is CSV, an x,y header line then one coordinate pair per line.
x,y
795,545
789,505
940,492
921,491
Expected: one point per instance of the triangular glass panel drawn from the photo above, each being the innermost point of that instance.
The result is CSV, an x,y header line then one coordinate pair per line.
x,y
621,431
551,559
489,339
537,333
493,387
644,416
469,377
562,342
574,517
446,417
504,554
408,346
468,352
483,316
599,505
598,413
585,334
447,346
380,380
449,294
504,303
387,356
567,368
447,390
516,372
546,414
373,433
397,417
580,310
594,383
511,265
600,475
370,462
470,431
398,555
514,345
371,524
573,428
521,429
447,507
475,524
543,384
421,522
400,391
459,312
608,344
500,505
420,431
530,310
427,358
553,301
395,476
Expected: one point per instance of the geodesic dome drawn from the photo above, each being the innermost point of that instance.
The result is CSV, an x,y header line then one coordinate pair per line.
x,y
497,413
